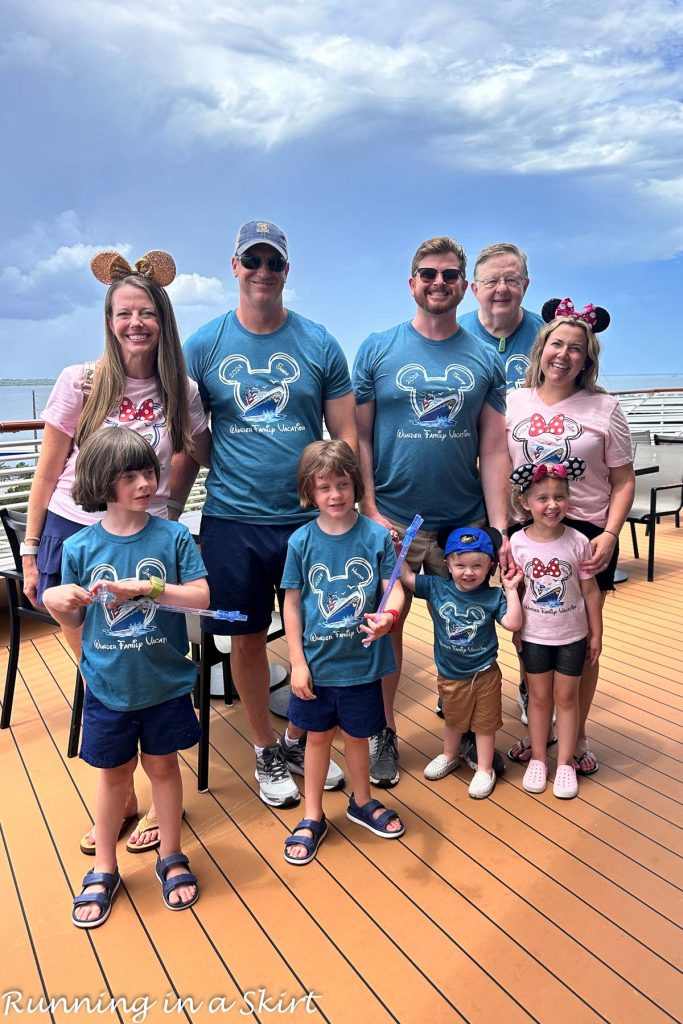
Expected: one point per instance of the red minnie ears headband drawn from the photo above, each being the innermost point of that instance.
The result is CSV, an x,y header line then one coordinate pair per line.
x,y
528,474
109,266
597,318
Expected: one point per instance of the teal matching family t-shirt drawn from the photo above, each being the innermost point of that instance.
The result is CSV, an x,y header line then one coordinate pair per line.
x,y
340,579
266,394
134,656
465,638
513,350
428,398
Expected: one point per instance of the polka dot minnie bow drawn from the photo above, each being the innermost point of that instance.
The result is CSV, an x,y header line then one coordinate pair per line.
x,y
530,473
109,266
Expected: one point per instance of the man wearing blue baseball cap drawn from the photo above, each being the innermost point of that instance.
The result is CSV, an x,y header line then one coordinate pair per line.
x,y
269,378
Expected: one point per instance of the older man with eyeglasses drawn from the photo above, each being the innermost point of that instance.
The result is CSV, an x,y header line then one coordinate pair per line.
x,y
431,430
500,280
269,377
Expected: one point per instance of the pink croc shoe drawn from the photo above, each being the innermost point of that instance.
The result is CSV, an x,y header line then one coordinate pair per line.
x,y
565,785
535,777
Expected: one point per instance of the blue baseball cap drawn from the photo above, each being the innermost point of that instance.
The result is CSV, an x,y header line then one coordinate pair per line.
x,y
260,231
469,538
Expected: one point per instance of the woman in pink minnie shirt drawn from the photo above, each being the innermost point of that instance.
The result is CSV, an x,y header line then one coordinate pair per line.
x,y
561,414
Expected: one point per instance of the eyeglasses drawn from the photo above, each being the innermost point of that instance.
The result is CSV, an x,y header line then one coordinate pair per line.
x,y
430,274
276,264
509,282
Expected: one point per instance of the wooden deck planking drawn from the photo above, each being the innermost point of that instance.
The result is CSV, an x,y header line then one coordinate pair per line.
x,y
518,906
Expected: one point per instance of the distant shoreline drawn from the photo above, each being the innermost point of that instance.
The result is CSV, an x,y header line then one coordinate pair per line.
x,y
12,382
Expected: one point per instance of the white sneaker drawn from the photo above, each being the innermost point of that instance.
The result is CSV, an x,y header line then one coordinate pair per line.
x,y
276,786
482,785
294,759
440,767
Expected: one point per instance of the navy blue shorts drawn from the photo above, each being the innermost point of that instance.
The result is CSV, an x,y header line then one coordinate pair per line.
x,y
111,738
358,710
566,658
56,529
245,563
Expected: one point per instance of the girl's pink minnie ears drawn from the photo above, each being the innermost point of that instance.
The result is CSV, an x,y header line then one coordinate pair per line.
x,y
530,473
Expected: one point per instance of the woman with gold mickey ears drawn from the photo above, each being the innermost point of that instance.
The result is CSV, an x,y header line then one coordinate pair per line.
x,y
562,415
140,382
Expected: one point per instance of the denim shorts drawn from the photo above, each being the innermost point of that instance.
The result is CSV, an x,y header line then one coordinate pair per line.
x,y
358,710
112,738
244,562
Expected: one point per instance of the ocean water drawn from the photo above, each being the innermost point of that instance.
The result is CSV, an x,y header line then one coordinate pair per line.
x,y
16,401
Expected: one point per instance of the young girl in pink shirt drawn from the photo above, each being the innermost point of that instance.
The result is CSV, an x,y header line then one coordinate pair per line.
x,y
562,617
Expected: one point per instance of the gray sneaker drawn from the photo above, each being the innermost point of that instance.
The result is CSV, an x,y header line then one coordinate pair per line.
x,y
294,757
276,786
468,751
384,758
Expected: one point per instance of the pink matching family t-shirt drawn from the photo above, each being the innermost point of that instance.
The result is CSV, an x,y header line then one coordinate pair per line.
x,y
553,607
587,425
140,409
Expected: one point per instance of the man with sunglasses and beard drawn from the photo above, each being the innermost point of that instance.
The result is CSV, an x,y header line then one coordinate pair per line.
x,y
431,429
269,377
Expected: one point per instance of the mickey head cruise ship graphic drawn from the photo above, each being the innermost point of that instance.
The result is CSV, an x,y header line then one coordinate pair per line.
x,y
435,400
134,617
260,393
461,627
547,440
341,599
547,581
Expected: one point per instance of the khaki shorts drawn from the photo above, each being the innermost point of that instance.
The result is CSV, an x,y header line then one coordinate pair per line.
x,y
475,703
424,552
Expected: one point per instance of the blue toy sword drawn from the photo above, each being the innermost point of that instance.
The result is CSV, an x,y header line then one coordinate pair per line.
x,y
400,558
105,596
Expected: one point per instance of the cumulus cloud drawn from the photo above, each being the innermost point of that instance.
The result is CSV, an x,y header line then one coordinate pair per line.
x,y
46,272
195,290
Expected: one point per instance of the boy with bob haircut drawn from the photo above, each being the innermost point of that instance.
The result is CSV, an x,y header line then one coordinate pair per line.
x,y
336,570
465,609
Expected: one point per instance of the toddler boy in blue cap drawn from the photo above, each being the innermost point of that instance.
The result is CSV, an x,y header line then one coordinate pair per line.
x,y
465,609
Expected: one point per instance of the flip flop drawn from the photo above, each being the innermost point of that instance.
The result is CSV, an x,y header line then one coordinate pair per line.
x,y
578,759
88,846
523,756
145,824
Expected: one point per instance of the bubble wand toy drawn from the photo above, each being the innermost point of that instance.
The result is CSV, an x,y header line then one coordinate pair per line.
x,y
105,597
400,558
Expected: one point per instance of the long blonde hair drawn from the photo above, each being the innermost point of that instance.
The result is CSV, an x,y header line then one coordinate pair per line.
x,y
110,377
587,379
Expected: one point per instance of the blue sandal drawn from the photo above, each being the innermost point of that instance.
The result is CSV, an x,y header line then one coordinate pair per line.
x,y
319,830
168,886
103,900
364,816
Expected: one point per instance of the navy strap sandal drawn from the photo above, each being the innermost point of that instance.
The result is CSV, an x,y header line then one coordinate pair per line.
x,y
104,900
168,885
319,830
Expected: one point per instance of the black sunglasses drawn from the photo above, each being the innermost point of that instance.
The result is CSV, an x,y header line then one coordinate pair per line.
x,y
276,264
430,274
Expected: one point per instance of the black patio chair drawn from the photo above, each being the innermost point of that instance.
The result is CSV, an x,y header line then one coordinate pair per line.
x,y
21,608
657,495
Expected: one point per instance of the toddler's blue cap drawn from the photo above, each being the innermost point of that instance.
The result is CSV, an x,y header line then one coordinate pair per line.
x,y
469,538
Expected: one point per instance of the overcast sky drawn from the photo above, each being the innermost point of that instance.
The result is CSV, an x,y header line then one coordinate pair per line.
x,y
361,129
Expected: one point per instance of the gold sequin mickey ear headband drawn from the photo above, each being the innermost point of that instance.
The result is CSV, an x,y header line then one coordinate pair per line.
x,y
110,266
